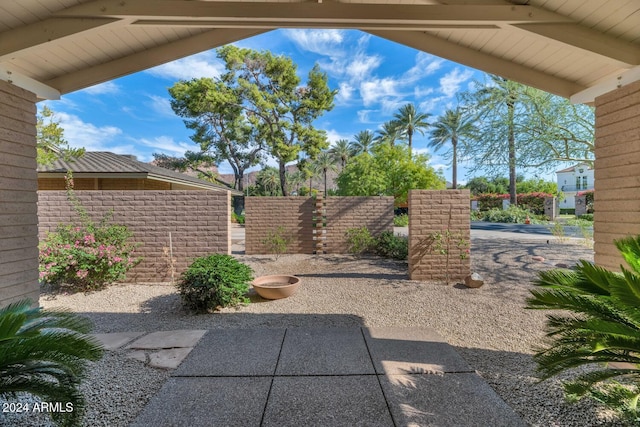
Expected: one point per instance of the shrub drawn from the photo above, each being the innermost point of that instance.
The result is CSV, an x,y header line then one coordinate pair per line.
x,y
88,256
44,353
401,220
513,214
603,326
239,219
390,245
534,202
567,211
360,240
277,241
215,281
586,217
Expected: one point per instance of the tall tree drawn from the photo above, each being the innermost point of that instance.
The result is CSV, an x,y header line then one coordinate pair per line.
x,y
362,142
341,151
50,141
408,121
198,162
324,163
387,134
221,129
268,182
453,126
281,110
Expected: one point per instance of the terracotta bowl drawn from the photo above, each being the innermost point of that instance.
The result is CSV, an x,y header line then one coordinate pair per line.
x,y
276,287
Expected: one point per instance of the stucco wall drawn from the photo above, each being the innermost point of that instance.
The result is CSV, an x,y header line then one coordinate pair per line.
x,y
617,172
197,220
18,185
435,211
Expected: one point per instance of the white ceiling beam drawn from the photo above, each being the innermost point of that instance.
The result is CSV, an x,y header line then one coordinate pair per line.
x,y
21,39
587,39
612,83
354,14
148,58
482,61
41,90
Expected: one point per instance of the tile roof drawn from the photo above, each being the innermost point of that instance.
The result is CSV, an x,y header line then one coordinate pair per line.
x,y
105,162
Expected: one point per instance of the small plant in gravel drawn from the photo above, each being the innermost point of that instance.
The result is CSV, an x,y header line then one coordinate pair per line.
x,y
557,229
215,281
603,327
360,240
87,256
277,242
390,245
44,353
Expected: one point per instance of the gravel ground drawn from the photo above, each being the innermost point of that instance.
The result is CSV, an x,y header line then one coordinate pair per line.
x,y
487,326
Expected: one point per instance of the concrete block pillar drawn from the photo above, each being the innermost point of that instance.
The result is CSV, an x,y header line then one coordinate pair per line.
x,y
18,195
617,172
551,207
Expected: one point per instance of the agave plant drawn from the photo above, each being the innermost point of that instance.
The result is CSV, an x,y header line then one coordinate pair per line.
x,y
44,353
603,328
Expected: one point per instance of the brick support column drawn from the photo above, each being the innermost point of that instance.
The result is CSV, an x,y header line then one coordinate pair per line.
x,y
18,197
617,172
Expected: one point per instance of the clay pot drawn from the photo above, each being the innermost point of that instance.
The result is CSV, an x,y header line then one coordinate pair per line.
x,y
276,287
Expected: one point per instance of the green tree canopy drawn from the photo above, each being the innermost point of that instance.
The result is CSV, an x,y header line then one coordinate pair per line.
x,y
390,171
408,120
362,142
50,142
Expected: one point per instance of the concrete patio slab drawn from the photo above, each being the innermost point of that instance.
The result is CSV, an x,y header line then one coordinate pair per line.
x,y
324,351
168,358
116,340
446,400
412,351
326,401
207,402
234,352
168,339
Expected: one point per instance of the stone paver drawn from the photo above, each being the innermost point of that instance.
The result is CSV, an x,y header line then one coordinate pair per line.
x,y
168,358
116,340
168,339
324,351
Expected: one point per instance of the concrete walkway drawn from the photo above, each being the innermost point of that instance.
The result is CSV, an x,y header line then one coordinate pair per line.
x,y
324,377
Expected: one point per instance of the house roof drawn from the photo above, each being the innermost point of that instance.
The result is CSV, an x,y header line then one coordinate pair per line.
x,y
107,164
574,48
573,168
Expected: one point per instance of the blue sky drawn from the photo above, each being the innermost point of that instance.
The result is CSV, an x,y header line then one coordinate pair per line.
x,y
374,77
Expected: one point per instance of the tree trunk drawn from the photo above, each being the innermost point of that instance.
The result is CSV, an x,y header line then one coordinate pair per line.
x,y
410,134
283,178
454,177
325,183
512,153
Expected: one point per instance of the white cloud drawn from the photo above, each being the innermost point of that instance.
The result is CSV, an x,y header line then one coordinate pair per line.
x,y
421,92
204,64
333,136
362,66
94,138
450,82
373,91
160,105
363,116
106,88
345,93
425,65
430,105
167,145
322,42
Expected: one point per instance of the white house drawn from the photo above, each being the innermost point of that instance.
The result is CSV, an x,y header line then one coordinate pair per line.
x,y
571,181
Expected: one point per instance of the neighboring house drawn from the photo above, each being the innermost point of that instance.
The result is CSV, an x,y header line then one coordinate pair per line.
x,y
573,180
103,170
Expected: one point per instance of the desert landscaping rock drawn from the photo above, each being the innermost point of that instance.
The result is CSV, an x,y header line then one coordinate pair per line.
x,y
489,327
474,280
538,258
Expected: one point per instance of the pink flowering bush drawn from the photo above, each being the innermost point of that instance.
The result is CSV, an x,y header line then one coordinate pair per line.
x,y
89,256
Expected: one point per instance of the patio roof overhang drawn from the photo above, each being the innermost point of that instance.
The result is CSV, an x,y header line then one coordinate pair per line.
x,y
572,48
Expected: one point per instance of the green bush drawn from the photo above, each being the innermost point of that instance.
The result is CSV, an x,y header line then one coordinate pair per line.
x,y
239,219
602,326
390,245
513,214
567,211
215,281
586,217
401,220
360,240
277,241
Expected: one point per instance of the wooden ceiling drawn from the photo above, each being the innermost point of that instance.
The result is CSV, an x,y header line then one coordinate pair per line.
x,y
574,48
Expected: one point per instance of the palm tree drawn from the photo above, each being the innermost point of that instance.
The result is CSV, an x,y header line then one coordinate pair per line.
x,y
295,179
268,181
323,163
389,134
362,142
409,121
45,353
603,326
341,151
452,126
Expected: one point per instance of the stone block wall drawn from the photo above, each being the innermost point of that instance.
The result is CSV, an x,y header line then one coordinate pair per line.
x,y
343,213
263,215
617,172
197,220
298,216
18,186
435,211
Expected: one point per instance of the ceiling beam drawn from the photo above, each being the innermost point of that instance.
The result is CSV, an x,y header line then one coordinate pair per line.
x,y
587,39
148,58
612,83
303,14
482,61
21,39
41,90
